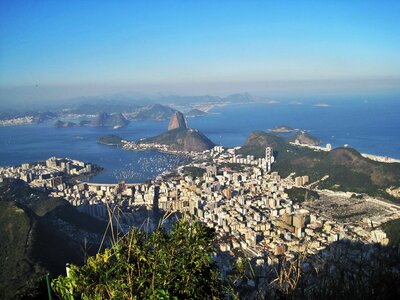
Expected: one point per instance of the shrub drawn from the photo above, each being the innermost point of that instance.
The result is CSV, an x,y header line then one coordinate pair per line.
x,y
159,265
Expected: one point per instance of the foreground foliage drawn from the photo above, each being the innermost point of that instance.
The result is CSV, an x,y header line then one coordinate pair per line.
x,y
159,265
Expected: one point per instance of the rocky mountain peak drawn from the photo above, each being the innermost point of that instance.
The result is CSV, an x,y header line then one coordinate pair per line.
x,y
178,120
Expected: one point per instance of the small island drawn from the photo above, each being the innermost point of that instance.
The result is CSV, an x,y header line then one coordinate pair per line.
x,y
84,123
110,140
322,104
114,120
282,129
195,113
63,124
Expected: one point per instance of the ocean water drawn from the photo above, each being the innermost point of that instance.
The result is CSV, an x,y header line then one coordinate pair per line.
x,y
29,143
371,126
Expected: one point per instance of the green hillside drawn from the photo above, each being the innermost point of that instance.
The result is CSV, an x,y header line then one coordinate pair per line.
x,y
347,169
39,234
110,140
182,140
304,137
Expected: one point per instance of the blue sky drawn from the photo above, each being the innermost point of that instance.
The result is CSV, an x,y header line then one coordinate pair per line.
x,y
165,43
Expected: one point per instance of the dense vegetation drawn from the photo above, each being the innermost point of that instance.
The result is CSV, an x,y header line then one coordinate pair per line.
x,y
298,195
392,229
110,140
182,140
178,265
195,172
15,231
63,124
304,137
161,265
39,234
345,270
170,265
346,168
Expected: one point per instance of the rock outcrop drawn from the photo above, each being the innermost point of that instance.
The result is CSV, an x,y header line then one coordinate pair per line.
x,y
180,138
115,120
177,121
305,138
62,124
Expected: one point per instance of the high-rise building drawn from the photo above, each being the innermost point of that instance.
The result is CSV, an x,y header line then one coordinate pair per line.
x,y
268,154
25,166
269,158
211,171
51,162
298,181
299,220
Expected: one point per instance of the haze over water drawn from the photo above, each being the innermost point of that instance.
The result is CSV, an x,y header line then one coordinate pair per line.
x,y
58,51
370,126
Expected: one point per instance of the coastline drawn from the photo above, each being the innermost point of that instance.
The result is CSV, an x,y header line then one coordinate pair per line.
x,y
379,158
374,157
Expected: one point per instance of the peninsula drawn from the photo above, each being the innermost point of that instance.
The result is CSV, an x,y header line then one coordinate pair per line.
x,y
110,140
303,137
179,137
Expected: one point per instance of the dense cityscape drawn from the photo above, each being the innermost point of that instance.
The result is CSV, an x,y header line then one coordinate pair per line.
x,y
246,204
214,150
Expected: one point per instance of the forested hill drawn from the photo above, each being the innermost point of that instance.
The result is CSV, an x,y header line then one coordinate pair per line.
x,y
39,234
347,169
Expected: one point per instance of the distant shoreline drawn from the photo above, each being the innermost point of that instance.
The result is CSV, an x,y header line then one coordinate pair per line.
x,y
378,158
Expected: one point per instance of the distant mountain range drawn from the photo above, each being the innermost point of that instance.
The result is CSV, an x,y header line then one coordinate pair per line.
x,y
117,120
132,108
148,107
195,113
37,116
153,112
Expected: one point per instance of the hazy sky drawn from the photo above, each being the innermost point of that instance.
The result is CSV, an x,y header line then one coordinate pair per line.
x,y
59,48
